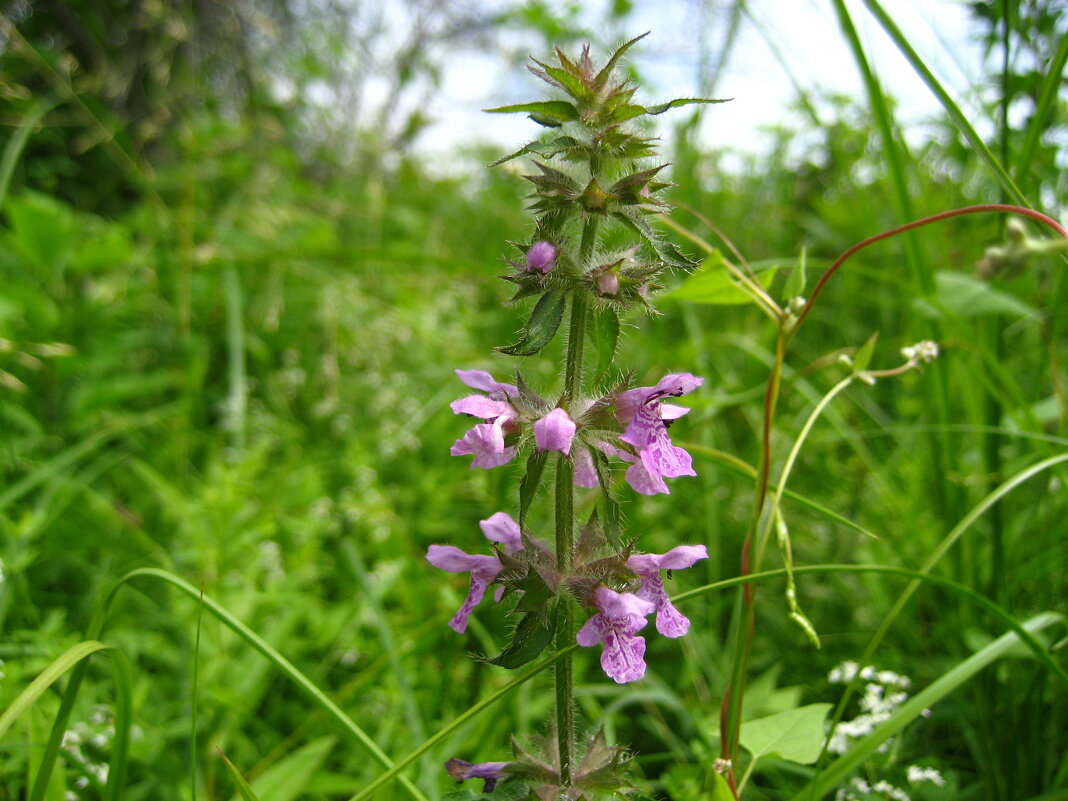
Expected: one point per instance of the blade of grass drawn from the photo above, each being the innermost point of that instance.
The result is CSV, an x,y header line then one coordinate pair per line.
x,y
1046,100
13,148
64,662
243,787
914,707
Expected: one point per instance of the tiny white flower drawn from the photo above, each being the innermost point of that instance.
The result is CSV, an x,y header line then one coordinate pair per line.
x,y
917,774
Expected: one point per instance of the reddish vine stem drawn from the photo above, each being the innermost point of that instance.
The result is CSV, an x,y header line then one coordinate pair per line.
x,y
727,720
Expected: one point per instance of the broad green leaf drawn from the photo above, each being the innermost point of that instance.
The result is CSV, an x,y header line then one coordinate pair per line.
x,y
711,283
795,735
544,320
529,639
967,296
288,778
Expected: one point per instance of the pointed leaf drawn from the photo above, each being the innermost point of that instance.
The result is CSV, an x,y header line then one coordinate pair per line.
x,y
604,334
606,70
539,331
795,284
528,487
559,111
529,639
667,252
862,358
243,787
562,79
611,506
660,108
795,735
967,296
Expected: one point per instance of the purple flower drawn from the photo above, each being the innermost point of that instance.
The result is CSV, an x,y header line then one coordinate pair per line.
x,y
621,615
585,470
500,528
647,566
486,440
483,570
490,772
641,409
541,257
554,431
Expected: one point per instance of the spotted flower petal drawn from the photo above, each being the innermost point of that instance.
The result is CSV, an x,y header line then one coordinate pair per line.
x,y
647,566
619,618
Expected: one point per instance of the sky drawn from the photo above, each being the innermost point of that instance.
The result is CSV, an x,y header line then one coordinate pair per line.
x,y
804,33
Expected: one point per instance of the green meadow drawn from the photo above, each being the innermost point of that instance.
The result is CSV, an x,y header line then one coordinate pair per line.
x,y
229,326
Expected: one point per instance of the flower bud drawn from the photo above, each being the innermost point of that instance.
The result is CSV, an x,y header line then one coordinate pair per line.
x,y
541,257
608,282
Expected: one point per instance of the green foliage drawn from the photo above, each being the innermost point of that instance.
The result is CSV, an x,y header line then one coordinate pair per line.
x,y
179,264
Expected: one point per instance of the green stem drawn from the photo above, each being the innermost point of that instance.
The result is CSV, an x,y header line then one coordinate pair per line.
x,y
565,525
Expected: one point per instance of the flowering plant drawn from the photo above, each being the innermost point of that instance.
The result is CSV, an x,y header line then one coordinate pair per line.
x,y
591,175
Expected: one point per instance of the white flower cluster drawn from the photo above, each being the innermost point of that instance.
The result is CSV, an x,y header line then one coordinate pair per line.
x,y
883,693
860,790
97,733
923,352
918,775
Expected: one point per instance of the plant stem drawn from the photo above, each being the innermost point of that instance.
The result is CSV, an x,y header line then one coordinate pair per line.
x,y
565,525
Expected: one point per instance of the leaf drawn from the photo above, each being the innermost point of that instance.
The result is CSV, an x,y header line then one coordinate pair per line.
x,y
712,284
660,108
528,487
244,789
721,791
862,358
288,778
546,150
967,296
795,735
562,79
556,111
604,335
606,70
795,284
611,506
667,252
529,639
539,331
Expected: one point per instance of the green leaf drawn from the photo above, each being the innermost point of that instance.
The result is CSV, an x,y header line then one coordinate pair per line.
x,y
862,358
288,778
967,296
546,150
720,790
562,79
244,789
604,335
795,284
612,515
606,70
667,252
712,284
528,487
539,331
529,639
795,735
660,108
557,111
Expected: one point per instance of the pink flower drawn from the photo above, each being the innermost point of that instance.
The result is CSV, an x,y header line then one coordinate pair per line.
x,y
486,440
647,566
619,618
541,257
644,414
555,431
500,528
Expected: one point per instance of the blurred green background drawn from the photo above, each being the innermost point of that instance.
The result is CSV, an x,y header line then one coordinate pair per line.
x,y
228,329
